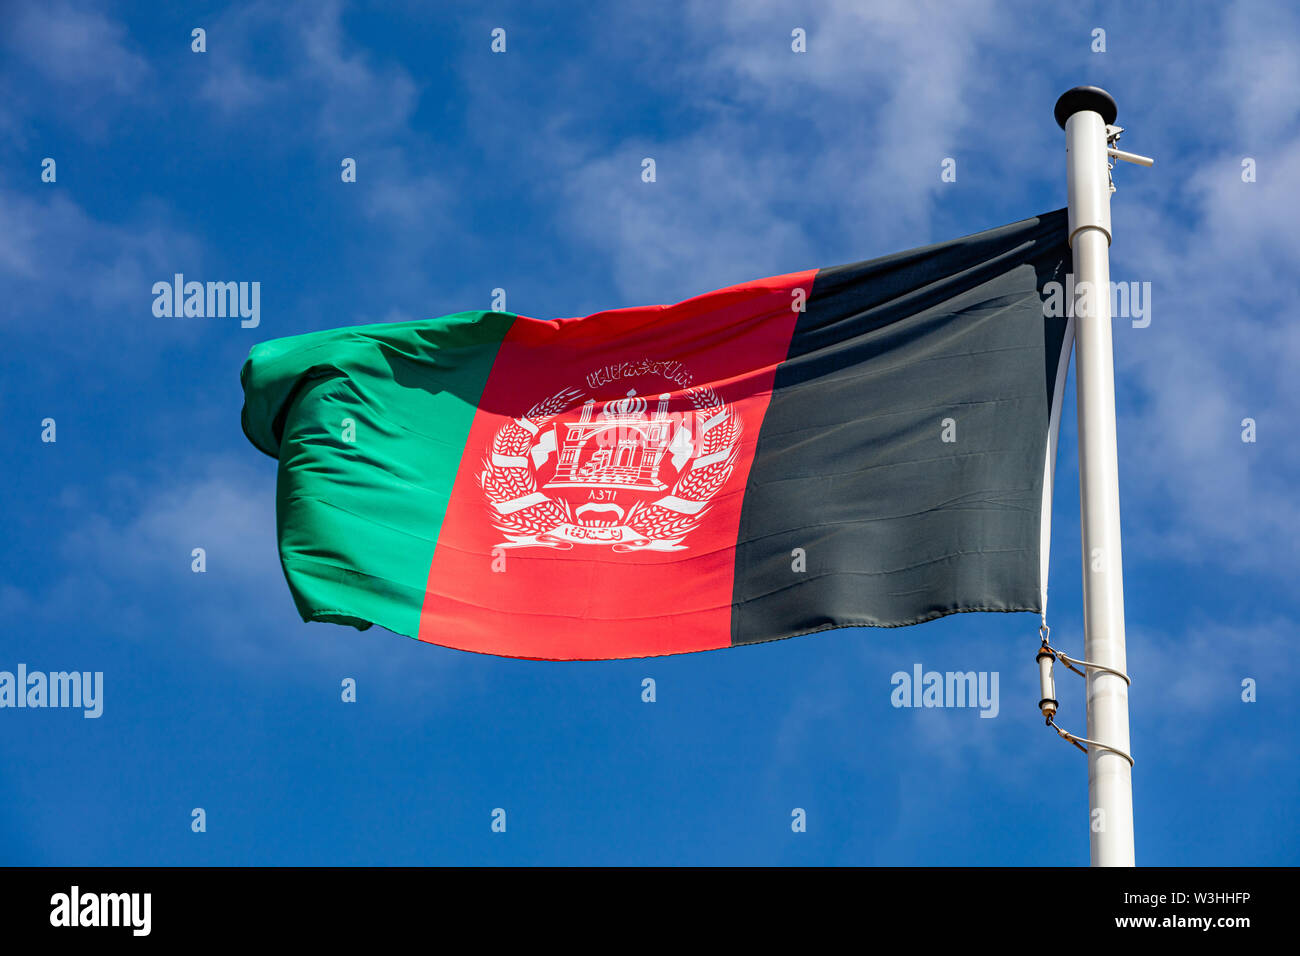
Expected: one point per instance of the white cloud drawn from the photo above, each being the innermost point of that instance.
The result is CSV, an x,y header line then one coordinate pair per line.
x,y
349,103
1186,703
222,506
706,221
67,64
352,100
882,95
53,252
1223,344
234,88
127,566
76,48
848,138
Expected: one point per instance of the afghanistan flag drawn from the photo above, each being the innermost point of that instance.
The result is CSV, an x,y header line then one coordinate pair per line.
x,y
864,445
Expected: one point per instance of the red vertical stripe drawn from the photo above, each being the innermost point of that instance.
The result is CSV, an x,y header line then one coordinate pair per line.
x,y
586,601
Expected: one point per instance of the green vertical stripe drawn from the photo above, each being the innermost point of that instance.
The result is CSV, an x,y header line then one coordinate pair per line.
x,y
405,394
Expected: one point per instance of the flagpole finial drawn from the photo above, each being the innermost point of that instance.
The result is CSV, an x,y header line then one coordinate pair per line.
x,y
1086,98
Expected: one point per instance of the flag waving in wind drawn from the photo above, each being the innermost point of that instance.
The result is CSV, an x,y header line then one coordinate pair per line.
x,y
863,445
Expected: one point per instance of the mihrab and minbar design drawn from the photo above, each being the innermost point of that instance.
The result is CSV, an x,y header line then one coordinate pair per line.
x,y
607,471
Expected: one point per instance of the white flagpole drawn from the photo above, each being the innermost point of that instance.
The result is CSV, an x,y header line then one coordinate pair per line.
x,y
1084,113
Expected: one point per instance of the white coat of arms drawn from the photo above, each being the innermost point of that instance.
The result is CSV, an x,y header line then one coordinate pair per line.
x,y
627,473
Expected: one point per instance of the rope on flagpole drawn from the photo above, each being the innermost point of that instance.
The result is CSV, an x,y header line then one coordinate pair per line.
x,y
1047,654
1080,741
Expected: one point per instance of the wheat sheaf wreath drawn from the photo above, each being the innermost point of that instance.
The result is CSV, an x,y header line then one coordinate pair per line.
x,y
507,475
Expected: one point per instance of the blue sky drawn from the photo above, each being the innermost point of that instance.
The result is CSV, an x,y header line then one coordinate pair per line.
x,y
521,170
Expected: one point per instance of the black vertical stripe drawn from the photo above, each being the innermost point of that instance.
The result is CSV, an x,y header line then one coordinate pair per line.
x,y
852,480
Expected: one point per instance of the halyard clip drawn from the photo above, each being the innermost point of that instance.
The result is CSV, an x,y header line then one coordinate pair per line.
x,y
1048,704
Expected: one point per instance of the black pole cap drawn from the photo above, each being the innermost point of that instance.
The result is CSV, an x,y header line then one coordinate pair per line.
x,y
1086,98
